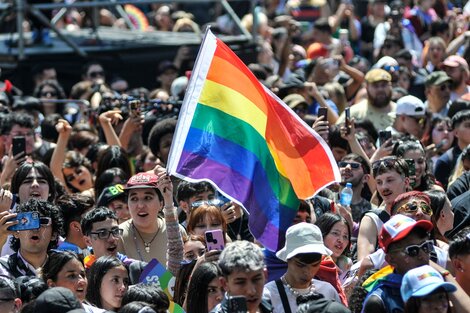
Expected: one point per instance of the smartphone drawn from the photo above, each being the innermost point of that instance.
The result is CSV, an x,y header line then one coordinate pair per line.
x,y
384,135
134,108
18,145
215,240
323,112
411,171
26,221
347,120
237,304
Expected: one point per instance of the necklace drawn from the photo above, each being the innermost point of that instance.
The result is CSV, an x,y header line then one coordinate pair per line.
x,y
146,244
296,293
238,234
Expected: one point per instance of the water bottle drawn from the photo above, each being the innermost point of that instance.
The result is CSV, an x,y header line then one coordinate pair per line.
x,y
345,197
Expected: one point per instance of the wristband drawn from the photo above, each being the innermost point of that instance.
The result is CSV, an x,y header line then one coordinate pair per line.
x,y
445,273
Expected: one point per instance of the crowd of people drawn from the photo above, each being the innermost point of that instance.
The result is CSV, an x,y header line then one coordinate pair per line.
x,y
386,84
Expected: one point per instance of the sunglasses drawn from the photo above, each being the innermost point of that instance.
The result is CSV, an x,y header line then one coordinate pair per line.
x,y
413,250
214,202
391,68
77,172
390,162
45,94
412,207
96,74
354,166
105,233
45,221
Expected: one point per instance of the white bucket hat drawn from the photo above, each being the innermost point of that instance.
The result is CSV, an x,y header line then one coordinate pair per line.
x,y
302,238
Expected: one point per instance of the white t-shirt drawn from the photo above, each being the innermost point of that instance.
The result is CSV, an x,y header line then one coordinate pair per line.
x,y
271,292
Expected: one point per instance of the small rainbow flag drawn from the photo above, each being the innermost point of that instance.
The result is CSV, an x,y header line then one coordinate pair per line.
x,y
238,135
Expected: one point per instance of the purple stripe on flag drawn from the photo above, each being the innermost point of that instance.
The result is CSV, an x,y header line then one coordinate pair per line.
x,y
241,188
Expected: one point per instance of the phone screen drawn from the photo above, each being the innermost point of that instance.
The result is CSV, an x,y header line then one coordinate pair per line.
x,y
384,135
347,120
18,145
323,112
26,221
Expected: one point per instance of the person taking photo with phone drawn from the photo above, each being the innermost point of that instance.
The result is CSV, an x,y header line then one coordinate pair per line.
x,y
31,246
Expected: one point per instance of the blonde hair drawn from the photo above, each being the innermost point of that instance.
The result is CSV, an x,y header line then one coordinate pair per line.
x,y
335,88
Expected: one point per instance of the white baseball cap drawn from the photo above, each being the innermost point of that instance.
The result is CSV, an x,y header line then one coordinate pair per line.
x,y
302,238
422,281
410,106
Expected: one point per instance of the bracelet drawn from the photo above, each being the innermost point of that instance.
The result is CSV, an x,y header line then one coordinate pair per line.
x,y
445,273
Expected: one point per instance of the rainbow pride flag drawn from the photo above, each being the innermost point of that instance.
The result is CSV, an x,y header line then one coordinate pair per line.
x,y
238,135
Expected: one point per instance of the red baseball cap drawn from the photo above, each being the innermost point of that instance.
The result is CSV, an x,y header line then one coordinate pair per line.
x,y
398,227
142,180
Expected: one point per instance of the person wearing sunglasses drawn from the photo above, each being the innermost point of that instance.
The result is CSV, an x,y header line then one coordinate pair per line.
x,y
406,245
50,90
31,246
410,117
93,71
355,169
438,93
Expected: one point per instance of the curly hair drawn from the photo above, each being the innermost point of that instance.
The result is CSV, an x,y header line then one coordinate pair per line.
x,y
74,159
45,209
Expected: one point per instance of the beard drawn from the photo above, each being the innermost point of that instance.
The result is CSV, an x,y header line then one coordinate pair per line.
x,y
380,100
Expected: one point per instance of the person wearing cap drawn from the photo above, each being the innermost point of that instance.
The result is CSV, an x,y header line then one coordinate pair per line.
x,y
58,300
410,117
378,104
303,253
146,235
457,68
438,93
10,301
243,274
406,245
297,103
114,198
424,291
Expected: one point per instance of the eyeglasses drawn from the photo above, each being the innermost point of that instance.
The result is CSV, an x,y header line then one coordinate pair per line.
x,y
391,68
96,74
353,165
412,207
214,202
45,221
77,172
45,94
413,250
105,233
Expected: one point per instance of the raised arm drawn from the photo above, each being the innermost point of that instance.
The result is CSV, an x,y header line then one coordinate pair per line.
x,y
58,156
174,238
107,119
